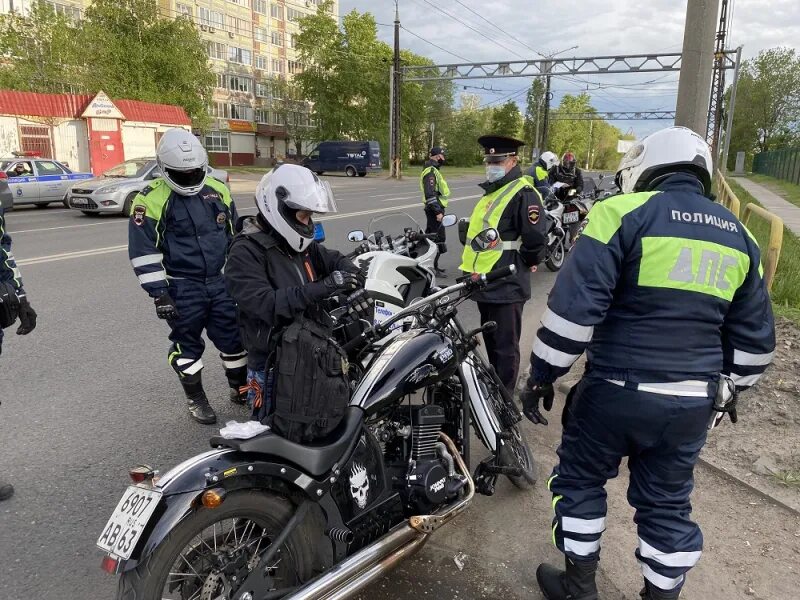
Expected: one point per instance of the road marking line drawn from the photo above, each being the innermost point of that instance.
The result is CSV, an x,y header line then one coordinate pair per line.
x,y
67,255
119,222
36,260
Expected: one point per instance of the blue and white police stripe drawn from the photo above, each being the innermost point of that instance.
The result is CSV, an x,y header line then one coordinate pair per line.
x,y
748,367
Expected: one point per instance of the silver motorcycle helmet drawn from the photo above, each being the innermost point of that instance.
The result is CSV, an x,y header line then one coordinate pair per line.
x,y
183,162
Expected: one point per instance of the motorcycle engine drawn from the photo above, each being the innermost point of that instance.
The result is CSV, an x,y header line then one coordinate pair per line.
x,y
420,465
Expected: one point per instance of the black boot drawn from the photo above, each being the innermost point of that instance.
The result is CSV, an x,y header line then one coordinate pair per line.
x,y
576,583
196,401
237,379
6,491
238,397
651,592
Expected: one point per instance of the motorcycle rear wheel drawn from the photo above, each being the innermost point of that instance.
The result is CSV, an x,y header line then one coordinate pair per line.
x,y
516,453
187,563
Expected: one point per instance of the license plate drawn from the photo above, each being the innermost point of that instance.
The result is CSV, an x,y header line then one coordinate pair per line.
x,y
79,201
572,217
128,521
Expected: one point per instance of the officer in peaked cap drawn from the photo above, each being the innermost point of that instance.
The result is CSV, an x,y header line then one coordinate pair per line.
x,y
513,207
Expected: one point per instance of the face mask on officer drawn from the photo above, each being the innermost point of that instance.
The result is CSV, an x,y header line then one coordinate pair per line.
x,y
496,171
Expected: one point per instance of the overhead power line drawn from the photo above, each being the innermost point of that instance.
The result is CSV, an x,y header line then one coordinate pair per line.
x,y
504,32
468,26
427,41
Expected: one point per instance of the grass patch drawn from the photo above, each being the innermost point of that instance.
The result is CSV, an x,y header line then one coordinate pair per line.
x,y
786,287
788,191
789,478
246,169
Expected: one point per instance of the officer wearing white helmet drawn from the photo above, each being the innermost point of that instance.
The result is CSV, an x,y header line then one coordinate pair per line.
x,y
180,228
664,290
276,271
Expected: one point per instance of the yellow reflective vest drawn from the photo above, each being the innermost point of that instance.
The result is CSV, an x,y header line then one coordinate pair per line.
x,y
441,186
487,215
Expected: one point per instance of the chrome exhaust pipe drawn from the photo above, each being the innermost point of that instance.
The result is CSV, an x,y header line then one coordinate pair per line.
x,y
404,541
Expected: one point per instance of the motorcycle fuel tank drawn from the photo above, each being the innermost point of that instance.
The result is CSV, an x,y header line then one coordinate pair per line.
x,y
414,360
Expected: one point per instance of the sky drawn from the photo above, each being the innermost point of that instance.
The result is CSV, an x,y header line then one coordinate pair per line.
x,y
597,27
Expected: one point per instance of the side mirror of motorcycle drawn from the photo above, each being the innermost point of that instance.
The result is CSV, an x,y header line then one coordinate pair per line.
x,y
449,220
602,176
488,239
572,192
356,236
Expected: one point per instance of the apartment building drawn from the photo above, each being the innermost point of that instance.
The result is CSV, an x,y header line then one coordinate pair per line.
x,y
250,43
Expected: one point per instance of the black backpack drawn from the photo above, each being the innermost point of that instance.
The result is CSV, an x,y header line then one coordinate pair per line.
x,y
307,379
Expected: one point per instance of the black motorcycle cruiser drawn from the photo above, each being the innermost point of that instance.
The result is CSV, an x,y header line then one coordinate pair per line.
x,y
266,518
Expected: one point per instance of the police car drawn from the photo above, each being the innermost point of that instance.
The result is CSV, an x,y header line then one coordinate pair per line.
x,y
39,181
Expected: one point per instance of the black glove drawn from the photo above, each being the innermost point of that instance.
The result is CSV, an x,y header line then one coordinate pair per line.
x,y
165,307
27,317
360,305
341,281
531,396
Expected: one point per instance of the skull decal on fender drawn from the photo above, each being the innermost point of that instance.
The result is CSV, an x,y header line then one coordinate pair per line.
x,y
359,485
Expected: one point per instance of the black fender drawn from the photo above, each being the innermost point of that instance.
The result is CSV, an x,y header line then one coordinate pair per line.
x,y
232,470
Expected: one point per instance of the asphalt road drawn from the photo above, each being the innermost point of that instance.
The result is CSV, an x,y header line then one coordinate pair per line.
x,y
90,394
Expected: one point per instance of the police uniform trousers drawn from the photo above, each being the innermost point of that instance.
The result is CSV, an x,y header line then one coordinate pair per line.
x,y
205,305
502,345
662,436
434,226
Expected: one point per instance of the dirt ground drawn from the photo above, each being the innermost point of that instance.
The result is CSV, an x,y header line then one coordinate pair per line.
x,y
763,448
751,548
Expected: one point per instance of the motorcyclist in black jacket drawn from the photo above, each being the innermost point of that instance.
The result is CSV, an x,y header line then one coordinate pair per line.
x,y
567,173
275,270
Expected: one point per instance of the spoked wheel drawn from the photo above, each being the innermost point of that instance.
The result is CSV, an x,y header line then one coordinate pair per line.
x,y
210,553
515,453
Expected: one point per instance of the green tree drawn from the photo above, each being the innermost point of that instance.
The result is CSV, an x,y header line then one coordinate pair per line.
x,y
347,81
767,103
41,50
507,120
461,131
534,113
123,47
137,54
294,111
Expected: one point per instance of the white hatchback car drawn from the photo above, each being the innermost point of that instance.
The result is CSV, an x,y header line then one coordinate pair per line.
x,y
114,190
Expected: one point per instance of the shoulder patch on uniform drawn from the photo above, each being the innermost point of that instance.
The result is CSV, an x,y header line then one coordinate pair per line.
x,y
146,190
138,214
221,218
533,214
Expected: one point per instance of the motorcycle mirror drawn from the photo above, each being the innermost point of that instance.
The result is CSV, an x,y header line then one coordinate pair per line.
x,y
488,239
572,192
356,236
449,220
602,176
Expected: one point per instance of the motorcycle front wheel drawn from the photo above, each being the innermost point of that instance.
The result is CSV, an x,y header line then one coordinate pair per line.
x,y
210,553
555,256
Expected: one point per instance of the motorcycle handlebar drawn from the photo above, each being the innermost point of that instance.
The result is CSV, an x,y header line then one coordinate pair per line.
x,y
500,273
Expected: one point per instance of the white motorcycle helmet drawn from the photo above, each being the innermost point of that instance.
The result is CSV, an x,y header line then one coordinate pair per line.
x,y
661,154
287,189
183,162
549,159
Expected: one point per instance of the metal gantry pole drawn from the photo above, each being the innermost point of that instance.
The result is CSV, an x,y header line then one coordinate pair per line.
x,y
723,166
395,142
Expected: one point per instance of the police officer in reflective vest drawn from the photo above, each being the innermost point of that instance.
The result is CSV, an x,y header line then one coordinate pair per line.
x,y
665,289
178,237
513,207
16,305
435,196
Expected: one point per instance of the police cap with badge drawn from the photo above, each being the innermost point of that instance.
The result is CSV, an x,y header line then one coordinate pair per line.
x,y
497,148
